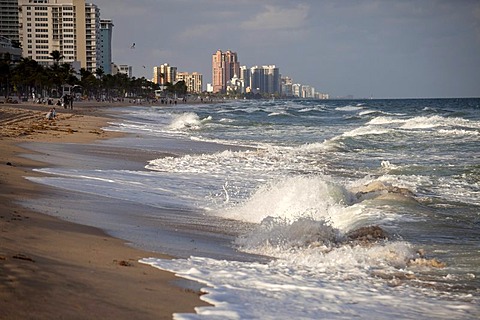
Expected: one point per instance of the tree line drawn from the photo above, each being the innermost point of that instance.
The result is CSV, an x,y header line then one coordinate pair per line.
x,y
28,76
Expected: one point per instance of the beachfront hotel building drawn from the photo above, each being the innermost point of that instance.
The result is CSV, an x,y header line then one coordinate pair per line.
x,y
265,79
297,90
308,92
193,81
245,76
106,30
225,66
71,27
164,73
9,19
287,84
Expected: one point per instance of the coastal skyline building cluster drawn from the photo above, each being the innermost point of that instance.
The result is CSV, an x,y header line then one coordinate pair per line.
x,y
74,28
229,77
36,28
166,73
299,90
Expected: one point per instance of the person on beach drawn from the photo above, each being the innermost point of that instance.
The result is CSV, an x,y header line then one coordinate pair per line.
x,y
65,101
49,115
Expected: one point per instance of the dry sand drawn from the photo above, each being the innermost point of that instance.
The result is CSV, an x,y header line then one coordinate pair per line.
x,y
53,269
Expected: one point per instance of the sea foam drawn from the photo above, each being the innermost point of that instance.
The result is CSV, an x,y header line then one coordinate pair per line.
x,y
187,120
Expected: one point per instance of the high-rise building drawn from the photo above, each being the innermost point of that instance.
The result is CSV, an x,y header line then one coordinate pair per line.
x,y
265,79
257,79
245,76
308,91
106,30
92,36
9,19
287,86
194,81
272,79
225,66
164,73
297,90
71,27
158,76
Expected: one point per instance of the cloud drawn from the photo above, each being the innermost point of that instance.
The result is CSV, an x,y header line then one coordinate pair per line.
x,y
198,32
332,45
476,24
276,18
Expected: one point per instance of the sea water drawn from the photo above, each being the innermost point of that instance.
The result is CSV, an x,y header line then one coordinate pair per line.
x,y
258,199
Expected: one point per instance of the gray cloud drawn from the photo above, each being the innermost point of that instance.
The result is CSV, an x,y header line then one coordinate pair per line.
x,y
277,18
380,48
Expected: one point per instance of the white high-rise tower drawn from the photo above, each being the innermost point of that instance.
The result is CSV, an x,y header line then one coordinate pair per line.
x,y
71,27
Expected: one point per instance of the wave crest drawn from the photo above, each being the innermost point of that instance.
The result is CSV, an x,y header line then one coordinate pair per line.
x,y
292,198
187,120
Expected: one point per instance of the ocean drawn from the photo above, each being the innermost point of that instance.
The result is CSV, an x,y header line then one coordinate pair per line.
x,y
292,209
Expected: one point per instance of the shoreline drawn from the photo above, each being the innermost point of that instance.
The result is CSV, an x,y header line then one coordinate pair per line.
x,y
91,274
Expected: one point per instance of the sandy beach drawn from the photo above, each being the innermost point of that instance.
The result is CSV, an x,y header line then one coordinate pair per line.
x,y
54,269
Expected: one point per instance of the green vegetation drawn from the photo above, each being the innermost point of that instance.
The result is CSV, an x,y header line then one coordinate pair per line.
x,y
28,76
179,88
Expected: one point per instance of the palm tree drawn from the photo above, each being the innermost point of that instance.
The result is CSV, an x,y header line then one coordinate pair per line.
x,y
5,72
108,83
56,56
29,76
122,83
59,74
89,82
99,73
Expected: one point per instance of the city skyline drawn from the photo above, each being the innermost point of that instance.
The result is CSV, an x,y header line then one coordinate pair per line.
x,y
365,49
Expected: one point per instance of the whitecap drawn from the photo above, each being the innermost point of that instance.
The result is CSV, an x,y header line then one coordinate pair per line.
x,y
367,130
187,120
349,108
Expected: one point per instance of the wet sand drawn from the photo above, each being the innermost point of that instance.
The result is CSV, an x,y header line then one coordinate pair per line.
x,y
51,268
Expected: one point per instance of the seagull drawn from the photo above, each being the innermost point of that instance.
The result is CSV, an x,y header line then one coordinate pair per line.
x,y
133,46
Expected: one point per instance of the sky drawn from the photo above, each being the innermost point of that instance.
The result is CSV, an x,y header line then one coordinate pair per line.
x,y
367,49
